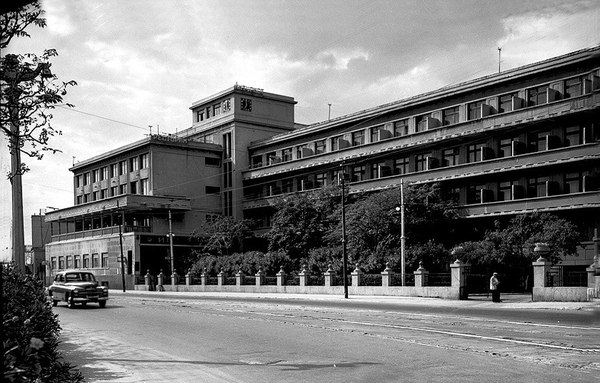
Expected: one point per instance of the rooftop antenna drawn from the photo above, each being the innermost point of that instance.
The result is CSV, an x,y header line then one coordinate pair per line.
x,y
150,126
499,55
73,160
329,115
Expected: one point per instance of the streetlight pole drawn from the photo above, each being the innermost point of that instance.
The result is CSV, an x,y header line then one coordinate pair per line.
x,y
344,253
402,236
13,75
171,245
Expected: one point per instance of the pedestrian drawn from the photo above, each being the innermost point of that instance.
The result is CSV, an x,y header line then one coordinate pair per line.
x,y
494,282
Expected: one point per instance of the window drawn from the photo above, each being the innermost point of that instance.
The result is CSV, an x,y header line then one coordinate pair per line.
x,y
53,263
217,109
304,183
79,199
134,164
422,122
300,150
452,194
287,186
114,170
77,261
86,261
227,145
335,143
87,197
573,87
401,128
574,182
104,260
122,189
450,116
122,167
450,157
320,147
61,263
537,141
95,260
505,147
96,175
505,191
103,193
86,177
104,173
96,195
401,165
79,181
114,190
271,158
474,152
475,110
537,95
144,161
358,138
421,162
208,112
133,187
212,161
505,102
320,180
536,187
358,173
257,161
212,189
69,264
286,154
199,116
377,169
574,135
336,177
474,193
374,134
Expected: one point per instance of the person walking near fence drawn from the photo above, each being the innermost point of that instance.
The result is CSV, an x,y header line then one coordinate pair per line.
x,y
494,282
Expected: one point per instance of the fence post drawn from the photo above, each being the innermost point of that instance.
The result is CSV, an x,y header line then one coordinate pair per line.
x,y
591,275
304,276
260,277
221,278
356,276
148,280
421,276
204,277
281,277
459,278
188,278
239,278
328,276
174,278
161,278
541,266
386,276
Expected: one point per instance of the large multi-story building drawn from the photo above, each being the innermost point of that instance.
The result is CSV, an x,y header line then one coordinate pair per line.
x,y
523,140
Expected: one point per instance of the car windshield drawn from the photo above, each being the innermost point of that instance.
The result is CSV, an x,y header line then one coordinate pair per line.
x,y
80,277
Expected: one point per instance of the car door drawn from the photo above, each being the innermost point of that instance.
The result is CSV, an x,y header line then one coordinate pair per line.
x,y
59,288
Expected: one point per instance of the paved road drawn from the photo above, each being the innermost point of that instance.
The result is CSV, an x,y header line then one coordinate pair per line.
x,y
246,338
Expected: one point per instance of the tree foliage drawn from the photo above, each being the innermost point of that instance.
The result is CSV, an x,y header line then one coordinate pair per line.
x,y
29,92
223,235
30,333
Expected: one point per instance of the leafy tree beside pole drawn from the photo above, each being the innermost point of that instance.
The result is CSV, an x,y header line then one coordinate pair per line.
x,y
24,109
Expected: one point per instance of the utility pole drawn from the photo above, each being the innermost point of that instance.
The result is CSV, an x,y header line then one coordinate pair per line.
x,y
402,237
329,115
122,223
171,244
345,255
13,75
499,52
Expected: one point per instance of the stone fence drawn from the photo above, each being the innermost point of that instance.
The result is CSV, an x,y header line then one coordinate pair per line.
x,y
452,286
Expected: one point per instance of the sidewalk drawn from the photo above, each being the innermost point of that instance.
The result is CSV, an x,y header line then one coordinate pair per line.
x,y
509,301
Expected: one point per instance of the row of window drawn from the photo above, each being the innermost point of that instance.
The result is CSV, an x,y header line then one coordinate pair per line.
x,y
135,187
534,96
536,141
213,110
113,170
85,261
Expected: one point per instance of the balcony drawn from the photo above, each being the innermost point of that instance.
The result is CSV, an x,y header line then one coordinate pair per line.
x,y
111,230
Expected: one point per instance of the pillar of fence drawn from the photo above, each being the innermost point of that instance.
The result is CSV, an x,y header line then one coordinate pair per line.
x,y
386,276
421,276
188,278
591,275
328,276
174,278
148,280
281,277
304,276
260,277
541,266
459,278
161,279
204,277
356,276
221,278
239,278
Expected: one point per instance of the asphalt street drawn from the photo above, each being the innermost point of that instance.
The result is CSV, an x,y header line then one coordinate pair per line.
x,y
204,337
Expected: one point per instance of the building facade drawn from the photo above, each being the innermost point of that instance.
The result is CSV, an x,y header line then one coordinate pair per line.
x,y
523,140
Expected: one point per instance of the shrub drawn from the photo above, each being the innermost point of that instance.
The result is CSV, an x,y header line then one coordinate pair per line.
x,y
30,332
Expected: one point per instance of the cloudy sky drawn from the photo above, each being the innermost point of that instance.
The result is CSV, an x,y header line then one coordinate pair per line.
x,y
144,62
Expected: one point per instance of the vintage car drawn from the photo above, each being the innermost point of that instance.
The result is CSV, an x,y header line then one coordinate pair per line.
x,y
74,286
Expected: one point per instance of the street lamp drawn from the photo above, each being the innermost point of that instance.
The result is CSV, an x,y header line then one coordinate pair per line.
x,y
402,236
13,74
344,254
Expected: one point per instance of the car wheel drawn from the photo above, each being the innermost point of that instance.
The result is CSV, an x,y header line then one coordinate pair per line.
x,y
102,304
70,303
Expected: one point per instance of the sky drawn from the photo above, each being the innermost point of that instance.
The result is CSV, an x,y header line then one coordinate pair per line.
x,y
141,63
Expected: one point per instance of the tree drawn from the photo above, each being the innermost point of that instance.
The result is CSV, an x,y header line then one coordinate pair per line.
x,y
26,100
223,235
301,221
512,245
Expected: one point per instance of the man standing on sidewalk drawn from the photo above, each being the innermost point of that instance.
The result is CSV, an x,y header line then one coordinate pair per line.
x,y
494,282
